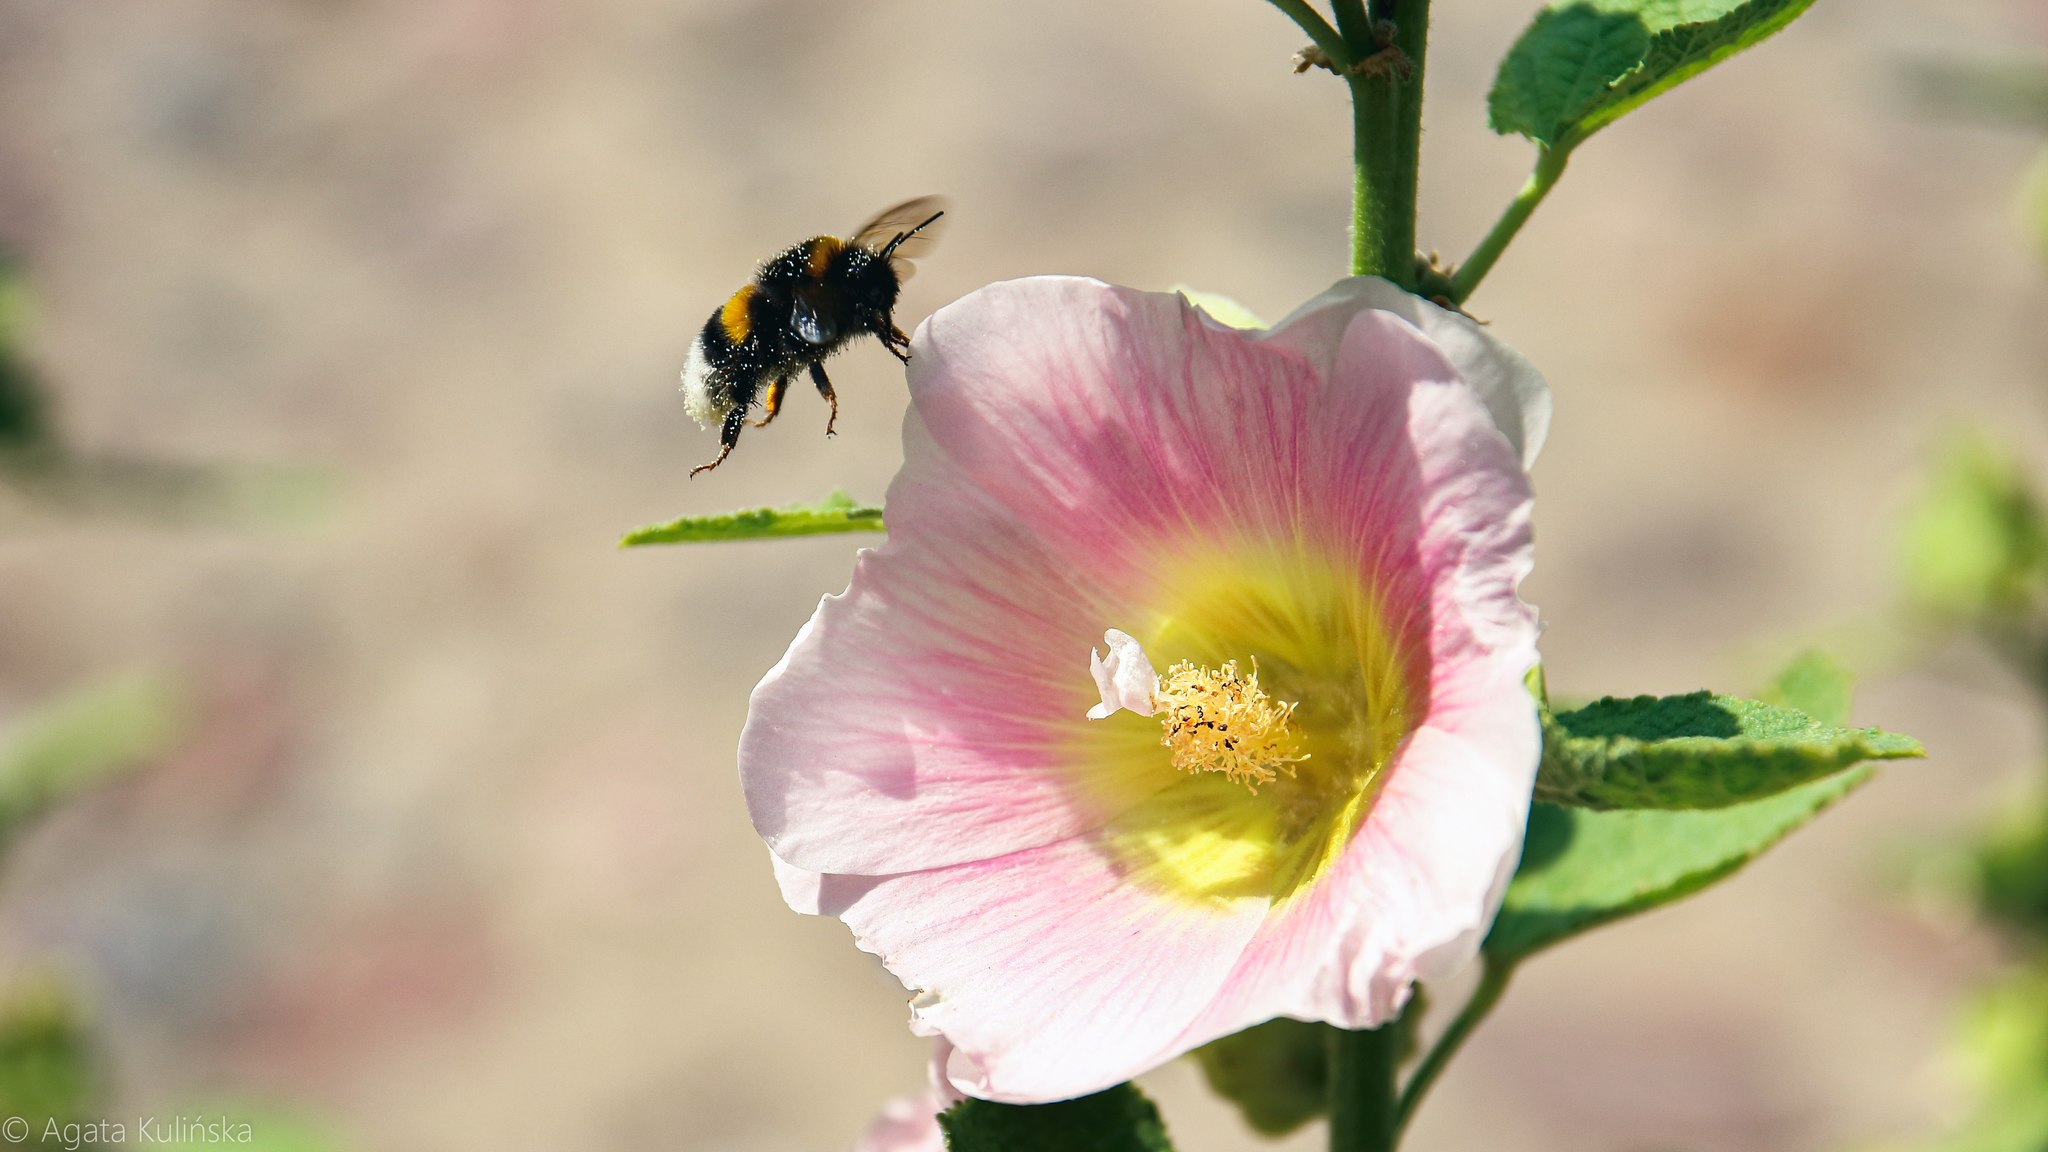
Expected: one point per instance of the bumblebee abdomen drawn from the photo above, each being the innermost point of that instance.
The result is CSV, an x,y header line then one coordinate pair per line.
x,y
726,359
735,319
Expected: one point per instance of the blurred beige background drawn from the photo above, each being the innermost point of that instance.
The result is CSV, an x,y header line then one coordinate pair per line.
x,y
456,858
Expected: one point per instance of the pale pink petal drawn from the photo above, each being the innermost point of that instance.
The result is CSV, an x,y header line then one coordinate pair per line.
x,y
939,1072
911,1123
1054,971
1514,392
906,1124
803,891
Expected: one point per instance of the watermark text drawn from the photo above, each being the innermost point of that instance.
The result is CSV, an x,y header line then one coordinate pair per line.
x,y
173,1130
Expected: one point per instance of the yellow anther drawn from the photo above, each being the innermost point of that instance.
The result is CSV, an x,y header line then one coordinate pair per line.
x,y
1218,721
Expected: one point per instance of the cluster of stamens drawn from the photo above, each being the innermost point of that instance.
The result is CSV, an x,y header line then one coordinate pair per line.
x,y
1216,720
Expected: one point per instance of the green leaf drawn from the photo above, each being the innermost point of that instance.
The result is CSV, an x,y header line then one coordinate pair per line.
x,y
1277,1073
1687,38
265,1127
1581,868
1118,1120
1566,61
2034,204
835,513
24,410
1584,64
66,747
2011,92
2008,866
1976,542
1695,751
1816,684
2003,1051
48,1071
24,415
170,490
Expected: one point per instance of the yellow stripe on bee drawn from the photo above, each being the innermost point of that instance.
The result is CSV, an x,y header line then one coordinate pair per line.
x,y
819,259
736,317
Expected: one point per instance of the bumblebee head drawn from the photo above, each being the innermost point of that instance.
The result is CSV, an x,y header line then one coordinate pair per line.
x,y
871,283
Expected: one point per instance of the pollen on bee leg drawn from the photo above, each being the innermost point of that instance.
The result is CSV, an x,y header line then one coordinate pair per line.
x,y
1214,719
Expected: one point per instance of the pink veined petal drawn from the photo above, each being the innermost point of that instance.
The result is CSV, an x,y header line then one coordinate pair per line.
x,y
1053,972
916,720
1109,422
1203,435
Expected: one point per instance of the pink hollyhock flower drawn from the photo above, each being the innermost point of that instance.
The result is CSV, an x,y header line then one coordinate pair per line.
x,y
911,1123
1082,866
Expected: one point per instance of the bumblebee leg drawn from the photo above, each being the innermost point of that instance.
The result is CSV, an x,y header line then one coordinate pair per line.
x,y
825,389
772,402
728,435
894,340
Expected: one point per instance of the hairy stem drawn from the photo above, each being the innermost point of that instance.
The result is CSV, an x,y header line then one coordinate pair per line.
x,y
1493,981
1549,166
1386,139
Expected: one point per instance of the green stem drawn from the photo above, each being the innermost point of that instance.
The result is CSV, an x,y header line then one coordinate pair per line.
x,y
1319,31
1364,1070
1493,981
1549,166
1354,25
1386,142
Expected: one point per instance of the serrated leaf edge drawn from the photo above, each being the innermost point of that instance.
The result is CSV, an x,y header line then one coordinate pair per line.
x,y
1596,755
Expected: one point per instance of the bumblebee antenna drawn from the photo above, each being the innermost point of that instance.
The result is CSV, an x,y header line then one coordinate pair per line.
x,y
902,236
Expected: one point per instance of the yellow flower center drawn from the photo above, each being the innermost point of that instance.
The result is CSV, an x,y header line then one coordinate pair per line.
x,y
1219,721
1289,686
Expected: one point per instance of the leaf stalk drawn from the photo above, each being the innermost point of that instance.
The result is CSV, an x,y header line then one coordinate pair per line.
x,y
1319,31
1354,25
1493,982
1550,164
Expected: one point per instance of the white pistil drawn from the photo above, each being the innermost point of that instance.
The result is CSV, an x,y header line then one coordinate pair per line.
x,y
1125,677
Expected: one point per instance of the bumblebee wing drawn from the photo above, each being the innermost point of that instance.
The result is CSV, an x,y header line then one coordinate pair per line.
x,y
903,221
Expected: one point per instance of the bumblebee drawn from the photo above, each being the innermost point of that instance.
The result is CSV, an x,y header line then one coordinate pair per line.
x,y
805,303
